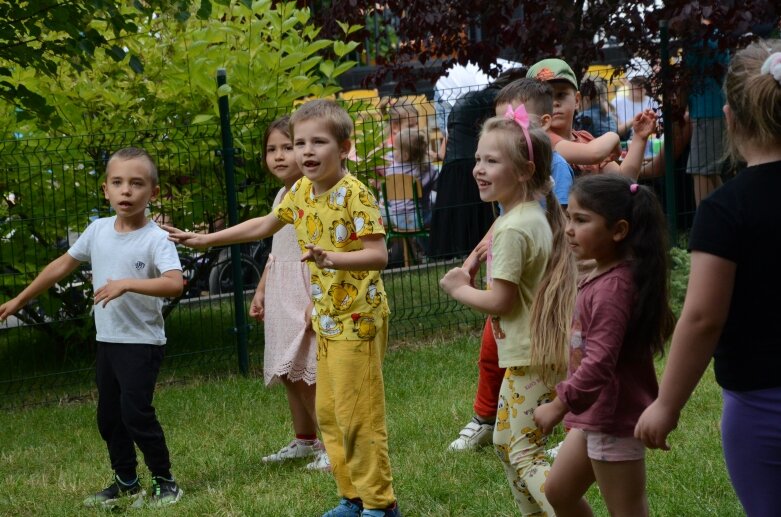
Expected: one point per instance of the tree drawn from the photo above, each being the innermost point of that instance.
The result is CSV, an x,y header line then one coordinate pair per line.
x,y
50,171
439,33
40,35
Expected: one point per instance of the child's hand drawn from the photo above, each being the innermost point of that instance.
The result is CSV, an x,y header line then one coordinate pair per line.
x,y
257,308
110,290
644,124
317,255
548,415
189,239
308,315
10,308
453,279
654,425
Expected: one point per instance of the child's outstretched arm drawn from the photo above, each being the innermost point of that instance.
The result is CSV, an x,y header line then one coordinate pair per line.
x,y
248,231
702,319
591,153
55,271
168,285
499,301
373,256
643,125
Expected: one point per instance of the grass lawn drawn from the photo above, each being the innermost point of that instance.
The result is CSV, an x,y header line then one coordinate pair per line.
x,y
218,429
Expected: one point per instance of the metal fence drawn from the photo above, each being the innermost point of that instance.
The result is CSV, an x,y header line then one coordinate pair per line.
x,y
52,189
211,174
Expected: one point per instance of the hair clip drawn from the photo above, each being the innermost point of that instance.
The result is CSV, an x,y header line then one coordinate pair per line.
x,y
634,187
772,66
521,117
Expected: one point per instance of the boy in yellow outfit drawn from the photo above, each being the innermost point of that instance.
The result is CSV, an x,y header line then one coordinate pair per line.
x,y
339,228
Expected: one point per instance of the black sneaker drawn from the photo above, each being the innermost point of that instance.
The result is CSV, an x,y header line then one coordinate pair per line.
x,y
113,494
164,492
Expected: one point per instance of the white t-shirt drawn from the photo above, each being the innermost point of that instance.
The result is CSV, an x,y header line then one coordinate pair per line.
x,y
143,253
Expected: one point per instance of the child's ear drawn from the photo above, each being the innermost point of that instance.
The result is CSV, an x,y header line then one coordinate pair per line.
x,y
545,121
620,230
105,191
344,149
155,193
528,173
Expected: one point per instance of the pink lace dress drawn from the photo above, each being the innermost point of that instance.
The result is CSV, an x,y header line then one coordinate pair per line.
x,y
290,349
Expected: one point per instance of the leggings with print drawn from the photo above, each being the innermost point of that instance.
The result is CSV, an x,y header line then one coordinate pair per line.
x,y
519,443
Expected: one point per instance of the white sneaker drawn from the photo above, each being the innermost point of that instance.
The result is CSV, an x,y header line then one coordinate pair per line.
x,y
294,450
321,463
473,436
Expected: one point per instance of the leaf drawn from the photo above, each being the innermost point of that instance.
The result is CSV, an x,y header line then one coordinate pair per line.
x,y
224,90
136,65
205,10
117,53
327,68
200,119
341,49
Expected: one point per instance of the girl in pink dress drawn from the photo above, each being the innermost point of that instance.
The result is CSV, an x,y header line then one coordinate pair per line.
x,y
290,346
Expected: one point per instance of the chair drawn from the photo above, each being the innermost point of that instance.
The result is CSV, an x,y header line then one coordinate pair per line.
x,y
403,187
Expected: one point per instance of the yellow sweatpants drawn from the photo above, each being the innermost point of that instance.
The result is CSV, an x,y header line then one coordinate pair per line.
x,y
350,401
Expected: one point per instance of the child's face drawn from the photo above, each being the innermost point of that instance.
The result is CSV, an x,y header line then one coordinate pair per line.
x,y
129,186
318,155
280,158
565,102
495,174
590,236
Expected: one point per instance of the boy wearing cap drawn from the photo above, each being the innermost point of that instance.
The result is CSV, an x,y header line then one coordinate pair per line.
x,y
586,154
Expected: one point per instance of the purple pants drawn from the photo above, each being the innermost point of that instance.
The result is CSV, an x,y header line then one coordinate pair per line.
x,y
751,437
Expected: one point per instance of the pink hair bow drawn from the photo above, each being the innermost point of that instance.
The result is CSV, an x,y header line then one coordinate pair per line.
x,y
521,117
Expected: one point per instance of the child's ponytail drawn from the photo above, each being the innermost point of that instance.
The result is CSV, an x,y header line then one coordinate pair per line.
x,y
554,301
652,319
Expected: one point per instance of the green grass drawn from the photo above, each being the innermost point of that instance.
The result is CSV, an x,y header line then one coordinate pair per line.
x,y
218,429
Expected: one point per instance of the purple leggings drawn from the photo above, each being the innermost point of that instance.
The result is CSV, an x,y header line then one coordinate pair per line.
x,y
751,437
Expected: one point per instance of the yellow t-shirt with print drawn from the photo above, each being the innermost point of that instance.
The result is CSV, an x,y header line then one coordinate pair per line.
x,y
349,305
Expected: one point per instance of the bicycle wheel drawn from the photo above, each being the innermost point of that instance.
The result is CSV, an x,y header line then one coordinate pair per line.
x,y
221,276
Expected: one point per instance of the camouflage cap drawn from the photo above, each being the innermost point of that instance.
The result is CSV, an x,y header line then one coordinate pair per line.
x,y
553,70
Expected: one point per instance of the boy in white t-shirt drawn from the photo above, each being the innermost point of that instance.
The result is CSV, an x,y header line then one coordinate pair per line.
x,y
134,266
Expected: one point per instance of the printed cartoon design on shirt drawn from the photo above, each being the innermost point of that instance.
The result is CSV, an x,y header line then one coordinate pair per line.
x,y
327,271
496,326
328,324
302,245
314,228
339,197
364,325
367,198
287,215
363,225
309,197
359,275
576,342
342,233
502,415
373,295
316,288
342,295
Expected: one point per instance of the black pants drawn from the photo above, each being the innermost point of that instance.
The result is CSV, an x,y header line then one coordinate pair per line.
x,y
126,375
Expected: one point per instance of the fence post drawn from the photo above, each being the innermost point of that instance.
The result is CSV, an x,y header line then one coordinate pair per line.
x,y
235,251
669,144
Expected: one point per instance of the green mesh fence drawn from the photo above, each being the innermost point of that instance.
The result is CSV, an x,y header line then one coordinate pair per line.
x,y
52,190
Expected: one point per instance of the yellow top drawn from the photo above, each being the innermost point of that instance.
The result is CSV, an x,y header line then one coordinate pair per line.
x,y
349,305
